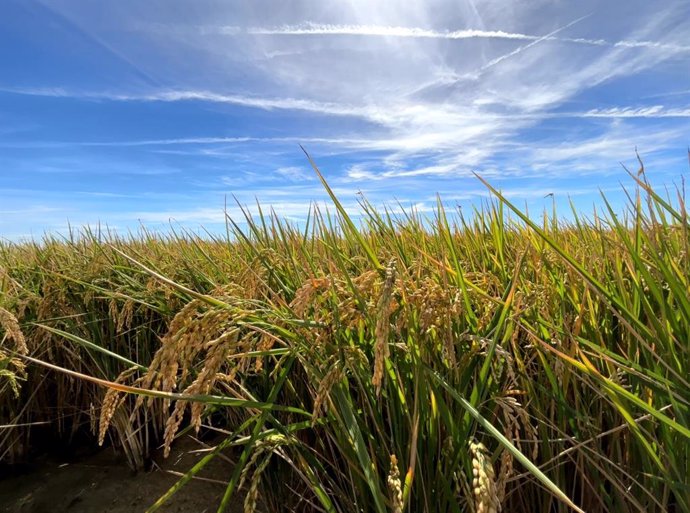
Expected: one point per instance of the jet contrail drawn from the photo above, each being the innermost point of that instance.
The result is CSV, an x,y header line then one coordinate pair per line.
x,y
385,31
521,49
317,29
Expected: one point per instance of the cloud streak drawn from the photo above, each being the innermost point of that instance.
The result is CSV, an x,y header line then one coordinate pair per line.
x,y
316,29
654,111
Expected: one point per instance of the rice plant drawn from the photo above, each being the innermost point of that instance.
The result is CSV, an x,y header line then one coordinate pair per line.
x,y
485,362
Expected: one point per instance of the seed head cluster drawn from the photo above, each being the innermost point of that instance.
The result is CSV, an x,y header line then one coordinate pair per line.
x,y
483,481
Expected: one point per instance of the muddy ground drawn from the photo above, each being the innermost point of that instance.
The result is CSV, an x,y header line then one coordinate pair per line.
x,y
101,482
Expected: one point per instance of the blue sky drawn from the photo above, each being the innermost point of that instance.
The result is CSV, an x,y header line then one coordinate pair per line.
x,y
128,112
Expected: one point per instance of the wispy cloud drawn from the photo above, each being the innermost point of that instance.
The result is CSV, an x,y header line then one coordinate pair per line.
x,y
654,111
296,173
394,114
198,95
601,153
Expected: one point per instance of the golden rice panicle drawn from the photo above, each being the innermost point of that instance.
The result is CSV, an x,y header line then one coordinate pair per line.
x,y
123,317
189,331
10,325
266,343
366,282
395,486
516,419
304,296
162,373
334,374
505,474
217,351
483,481
112,400
172,425
381,349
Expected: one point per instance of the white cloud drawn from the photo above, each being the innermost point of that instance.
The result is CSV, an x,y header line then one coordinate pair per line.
x,y
296,173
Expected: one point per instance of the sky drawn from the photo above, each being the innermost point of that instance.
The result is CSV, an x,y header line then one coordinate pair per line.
x,y
159,113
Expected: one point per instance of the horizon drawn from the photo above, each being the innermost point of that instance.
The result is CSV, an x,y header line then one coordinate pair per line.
x,y
152,115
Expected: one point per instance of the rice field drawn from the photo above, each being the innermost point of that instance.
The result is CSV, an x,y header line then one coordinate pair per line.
x,y
477,362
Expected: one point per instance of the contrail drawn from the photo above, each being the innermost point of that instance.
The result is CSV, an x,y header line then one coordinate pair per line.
x,y
317,29
521,49
384,31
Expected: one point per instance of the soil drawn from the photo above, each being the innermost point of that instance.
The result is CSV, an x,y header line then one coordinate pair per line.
x,y
101,482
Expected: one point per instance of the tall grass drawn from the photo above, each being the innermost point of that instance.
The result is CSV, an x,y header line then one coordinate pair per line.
x,y
452,363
